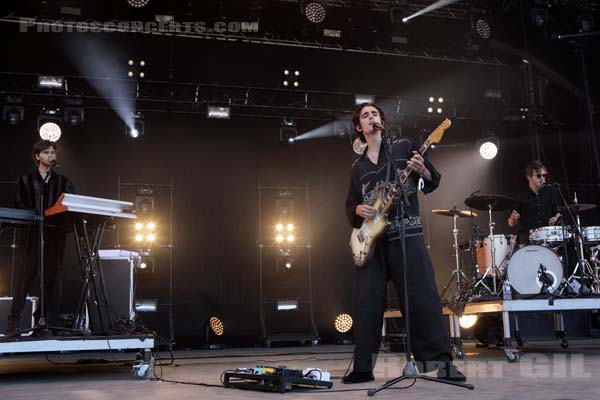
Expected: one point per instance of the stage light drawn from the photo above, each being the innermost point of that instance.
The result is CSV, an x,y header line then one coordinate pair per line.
x,y
343,323
130,74
146,266
146,305
315,12
440,100
139,237
290,238
74,116
430,109
50,82
287,305
431,99
439,110
139,226
50,131
467,321
137,129
13,114
151,226
216,326
218,112
151,237
142,63
142,74
363,98
286,83
296,83
482,27
288,264
279,227
488,147
286,72
279,238
296,73
144,199
288,130
290,227
137,3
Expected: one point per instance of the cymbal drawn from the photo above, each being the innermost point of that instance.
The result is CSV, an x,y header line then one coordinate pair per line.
x,y
497,202
455,211
577,208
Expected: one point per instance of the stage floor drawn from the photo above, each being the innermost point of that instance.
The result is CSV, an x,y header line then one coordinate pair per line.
x,y
545,371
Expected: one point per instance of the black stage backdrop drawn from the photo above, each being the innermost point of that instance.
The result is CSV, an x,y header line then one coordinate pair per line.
x,y
216,165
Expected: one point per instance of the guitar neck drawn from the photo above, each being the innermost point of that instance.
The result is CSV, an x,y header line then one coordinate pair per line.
x,y
406,173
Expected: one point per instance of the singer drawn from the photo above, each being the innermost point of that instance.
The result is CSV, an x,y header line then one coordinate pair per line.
x,y
44,179
538,204
430,343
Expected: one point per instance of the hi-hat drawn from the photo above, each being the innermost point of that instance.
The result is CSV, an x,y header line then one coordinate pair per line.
x,y
455,211
495,201
577,208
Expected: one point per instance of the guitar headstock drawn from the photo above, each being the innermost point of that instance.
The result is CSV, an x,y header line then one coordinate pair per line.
x,y
437,135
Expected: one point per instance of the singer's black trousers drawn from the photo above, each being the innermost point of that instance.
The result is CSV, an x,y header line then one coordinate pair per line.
x,y
429,338
54,244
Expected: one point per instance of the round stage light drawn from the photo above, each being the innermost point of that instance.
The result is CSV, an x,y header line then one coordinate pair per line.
x,y
139,226
488,149
137,3
279,238
343,323
50,131
296,73
286,83
286,72
142,74
441,100
439,110
279,227
151,226
467,321
290,238
216,326
143,265
315,12
151,237
431,99
134,133
142,63
483,29
290,227
130,74
296,83
288,265
430,109
130,62
139,237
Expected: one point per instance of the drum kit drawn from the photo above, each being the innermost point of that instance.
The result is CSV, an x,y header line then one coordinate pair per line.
x,y
495,263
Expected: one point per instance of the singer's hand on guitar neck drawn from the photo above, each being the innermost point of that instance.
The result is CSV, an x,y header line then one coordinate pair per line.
x,y
417,164
365,211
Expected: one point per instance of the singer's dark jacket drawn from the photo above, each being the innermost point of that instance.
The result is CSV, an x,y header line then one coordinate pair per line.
x,y
366,176
31,185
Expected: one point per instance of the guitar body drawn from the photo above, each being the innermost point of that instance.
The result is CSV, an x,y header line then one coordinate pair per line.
x,y
364,239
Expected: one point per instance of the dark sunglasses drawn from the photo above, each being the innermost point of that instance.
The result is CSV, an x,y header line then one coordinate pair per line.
x,y
540,176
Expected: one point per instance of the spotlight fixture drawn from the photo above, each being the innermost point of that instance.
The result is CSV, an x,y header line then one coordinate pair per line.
x,y
144,203
315,12
284,261
488,147
439,110
467,321
218,112
137,3
343,323
216,326
291,78
13,114
136,68
288,131
74,116
50,81
136,129
49,123
287,305
482,27
146,305
145,266
363,98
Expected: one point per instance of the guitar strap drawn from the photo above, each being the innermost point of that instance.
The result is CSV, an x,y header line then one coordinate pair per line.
x,y
388,167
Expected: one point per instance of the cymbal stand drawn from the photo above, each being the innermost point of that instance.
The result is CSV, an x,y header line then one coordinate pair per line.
x,y
457,272
493,268
583,266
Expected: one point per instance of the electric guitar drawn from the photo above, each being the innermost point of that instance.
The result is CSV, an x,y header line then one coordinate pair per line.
x,y
364,239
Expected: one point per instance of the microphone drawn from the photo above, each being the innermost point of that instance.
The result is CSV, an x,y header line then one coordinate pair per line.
x,y
376,126
54,164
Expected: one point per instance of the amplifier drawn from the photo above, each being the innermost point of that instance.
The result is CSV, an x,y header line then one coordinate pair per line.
x,y
26,316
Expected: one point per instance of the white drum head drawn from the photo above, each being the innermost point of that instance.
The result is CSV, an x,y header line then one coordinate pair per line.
x,y
524,268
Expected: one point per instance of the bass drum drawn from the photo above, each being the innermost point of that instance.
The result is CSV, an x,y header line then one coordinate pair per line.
x,y
524,269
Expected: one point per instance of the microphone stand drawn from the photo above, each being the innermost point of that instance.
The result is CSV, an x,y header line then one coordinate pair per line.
x,y
410,369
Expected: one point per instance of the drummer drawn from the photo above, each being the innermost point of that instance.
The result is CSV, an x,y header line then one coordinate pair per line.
x,y
537,205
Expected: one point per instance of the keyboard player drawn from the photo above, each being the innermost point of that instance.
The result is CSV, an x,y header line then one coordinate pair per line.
x,y
44,179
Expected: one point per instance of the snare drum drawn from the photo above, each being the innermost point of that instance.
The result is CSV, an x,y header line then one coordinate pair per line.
x,y
549,235
502,246
591,234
